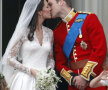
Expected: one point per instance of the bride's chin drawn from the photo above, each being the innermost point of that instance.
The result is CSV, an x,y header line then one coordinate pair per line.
x,y
49,17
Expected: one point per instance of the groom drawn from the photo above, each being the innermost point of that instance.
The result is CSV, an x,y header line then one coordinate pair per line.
x,y
80,45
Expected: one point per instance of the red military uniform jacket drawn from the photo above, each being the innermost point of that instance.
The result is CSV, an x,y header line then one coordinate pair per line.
x,y
94,48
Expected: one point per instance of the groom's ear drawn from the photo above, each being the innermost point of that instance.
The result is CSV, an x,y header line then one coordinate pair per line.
x,y
61,2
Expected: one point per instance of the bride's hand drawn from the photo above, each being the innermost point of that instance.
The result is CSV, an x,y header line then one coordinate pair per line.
x,y
33,72
104,75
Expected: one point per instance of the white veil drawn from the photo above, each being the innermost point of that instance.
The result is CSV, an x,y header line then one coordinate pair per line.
x,y
22,25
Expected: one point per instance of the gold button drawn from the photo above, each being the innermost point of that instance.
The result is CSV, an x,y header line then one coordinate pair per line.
x,y
68,26
80,36
75,58
74,50
75,54
74,46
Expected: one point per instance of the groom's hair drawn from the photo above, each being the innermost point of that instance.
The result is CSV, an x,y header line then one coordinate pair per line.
x,y
68,2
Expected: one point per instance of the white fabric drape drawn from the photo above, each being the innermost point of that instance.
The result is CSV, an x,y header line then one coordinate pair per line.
x,y
22,25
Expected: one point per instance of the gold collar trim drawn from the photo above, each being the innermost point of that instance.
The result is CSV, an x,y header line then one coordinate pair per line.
x,y
71,14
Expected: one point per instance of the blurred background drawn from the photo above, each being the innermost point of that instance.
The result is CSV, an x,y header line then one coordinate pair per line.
x,y
10,11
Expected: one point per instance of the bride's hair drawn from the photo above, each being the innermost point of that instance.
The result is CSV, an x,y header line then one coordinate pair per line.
x,y
34,20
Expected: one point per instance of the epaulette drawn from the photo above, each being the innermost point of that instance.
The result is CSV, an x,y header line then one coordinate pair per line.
x,y
84,12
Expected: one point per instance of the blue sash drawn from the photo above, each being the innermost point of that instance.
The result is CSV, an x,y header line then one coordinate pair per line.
x,y
73,34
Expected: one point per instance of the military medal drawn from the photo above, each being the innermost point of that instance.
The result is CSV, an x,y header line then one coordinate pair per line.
x,y
83,45
80,34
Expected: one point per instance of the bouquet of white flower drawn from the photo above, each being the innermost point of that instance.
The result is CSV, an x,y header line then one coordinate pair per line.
x,y
47,80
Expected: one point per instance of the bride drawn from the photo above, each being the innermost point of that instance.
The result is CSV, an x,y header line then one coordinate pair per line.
x,y
30,49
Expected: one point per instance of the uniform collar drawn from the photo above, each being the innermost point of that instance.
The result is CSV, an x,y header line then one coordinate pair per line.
x,y
71,14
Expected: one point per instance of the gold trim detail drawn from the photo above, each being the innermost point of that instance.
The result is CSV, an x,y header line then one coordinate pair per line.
x,y
84,12
88,70
65,74
79,20
70,16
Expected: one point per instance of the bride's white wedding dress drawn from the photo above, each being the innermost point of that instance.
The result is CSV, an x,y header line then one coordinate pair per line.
x,y
34,56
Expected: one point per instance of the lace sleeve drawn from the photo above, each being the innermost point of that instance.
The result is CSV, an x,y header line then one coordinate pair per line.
x,y
51,62
104,82
13,55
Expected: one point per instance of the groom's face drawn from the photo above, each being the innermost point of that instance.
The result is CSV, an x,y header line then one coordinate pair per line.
x,y
55,8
